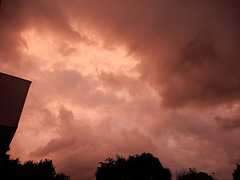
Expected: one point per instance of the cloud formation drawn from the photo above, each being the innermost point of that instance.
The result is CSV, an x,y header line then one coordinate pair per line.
x,y
228,123
187,50
81,141
123,77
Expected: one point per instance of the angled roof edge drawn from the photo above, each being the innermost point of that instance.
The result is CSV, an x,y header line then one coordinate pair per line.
x,y
15,77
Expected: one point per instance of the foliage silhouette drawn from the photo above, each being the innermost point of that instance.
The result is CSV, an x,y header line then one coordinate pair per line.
x,y
140,167
43,170
192,174
236,173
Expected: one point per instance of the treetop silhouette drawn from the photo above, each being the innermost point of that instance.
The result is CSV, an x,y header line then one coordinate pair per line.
x,y
141,167
192,174
43,170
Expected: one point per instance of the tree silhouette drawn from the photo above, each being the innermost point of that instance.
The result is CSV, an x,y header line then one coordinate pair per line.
x,y
192,174
43,170
236,173
141,167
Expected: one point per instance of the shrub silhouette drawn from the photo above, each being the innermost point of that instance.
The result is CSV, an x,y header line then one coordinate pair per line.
x,y
141,167
43,170
236,173
192,174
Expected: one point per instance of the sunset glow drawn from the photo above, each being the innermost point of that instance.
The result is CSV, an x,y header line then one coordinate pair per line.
x,y
125,77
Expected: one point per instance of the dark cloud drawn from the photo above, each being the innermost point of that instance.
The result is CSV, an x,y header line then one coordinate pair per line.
x,y
187,52
228,123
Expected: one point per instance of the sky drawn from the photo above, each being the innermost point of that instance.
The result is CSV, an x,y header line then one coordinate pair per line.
x,y
126,77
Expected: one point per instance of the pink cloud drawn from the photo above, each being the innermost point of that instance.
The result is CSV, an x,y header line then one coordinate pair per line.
x,y
176,105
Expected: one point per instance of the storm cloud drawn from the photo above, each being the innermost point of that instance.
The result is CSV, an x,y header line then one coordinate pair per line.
x,y
124,77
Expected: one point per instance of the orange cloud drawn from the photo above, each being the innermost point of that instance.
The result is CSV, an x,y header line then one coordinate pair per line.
x,y
123,77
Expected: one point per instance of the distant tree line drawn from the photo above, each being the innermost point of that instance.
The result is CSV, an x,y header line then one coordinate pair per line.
x,y
43,170
148,167
137,167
